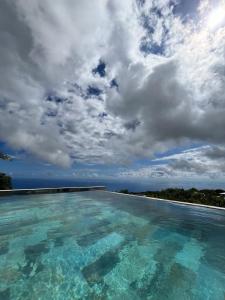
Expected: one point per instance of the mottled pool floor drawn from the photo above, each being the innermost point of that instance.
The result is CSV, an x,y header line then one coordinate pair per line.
x,y
100,245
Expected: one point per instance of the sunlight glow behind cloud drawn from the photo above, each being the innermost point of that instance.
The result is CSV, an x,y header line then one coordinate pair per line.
x,y
216,17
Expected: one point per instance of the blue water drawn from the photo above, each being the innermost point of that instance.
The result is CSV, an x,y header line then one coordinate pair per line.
x,y
101,245
111,185
139,185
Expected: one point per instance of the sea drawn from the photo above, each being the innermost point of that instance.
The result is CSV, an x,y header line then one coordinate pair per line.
x,y
112,185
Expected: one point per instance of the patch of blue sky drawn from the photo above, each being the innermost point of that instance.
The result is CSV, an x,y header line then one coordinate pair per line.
x,y
5,149
20,167
145,162
147,43
93,91
100,69
53,97
147,24
179,149
147,47
186,9
114,84
24,165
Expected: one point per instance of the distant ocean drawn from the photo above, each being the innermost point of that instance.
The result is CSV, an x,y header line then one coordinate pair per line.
x,y
114,185
20,183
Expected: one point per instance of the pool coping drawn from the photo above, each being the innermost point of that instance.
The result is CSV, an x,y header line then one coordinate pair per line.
x,y
172,201
50,190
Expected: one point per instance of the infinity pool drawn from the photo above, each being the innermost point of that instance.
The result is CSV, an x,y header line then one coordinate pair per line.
x,y
101,245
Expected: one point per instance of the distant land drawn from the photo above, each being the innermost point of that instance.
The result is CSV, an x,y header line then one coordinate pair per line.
x,y
206,196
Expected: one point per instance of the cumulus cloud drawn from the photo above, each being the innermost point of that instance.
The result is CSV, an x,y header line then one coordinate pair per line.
x,y
163,83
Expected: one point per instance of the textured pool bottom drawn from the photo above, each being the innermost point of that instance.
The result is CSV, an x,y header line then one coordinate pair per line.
x,y
99,245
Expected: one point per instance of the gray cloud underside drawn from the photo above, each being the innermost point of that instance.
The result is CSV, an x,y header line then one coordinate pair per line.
x,y
163,100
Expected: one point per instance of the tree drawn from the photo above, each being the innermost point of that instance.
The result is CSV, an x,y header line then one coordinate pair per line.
x,y
5,181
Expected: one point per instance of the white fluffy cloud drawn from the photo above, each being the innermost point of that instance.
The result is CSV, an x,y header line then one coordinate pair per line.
x,y
164,82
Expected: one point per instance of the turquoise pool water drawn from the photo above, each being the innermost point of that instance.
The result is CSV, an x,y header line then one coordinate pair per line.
x,y
100,245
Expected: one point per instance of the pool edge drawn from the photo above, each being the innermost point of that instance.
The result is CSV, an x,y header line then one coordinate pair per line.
x,y
50,190
171,201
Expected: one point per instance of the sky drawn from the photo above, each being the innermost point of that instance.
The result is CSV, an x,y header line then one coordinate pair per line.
x,y
111,89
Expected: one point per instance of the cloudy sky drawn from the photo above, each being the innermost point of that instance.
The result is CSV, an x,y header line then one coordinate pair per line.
x,y
131,89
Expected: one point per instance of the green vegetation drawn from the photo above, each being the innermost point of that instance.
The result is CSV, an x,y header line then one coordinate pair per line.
x,y
5,181
207,197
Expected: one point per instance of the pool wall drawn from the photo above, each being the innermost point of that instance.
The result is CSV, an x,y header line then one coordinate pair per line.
x,y
50,190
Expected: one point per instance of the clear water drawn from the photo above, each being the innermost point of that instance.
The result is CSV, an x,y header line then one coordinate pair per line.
x,y
100,245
